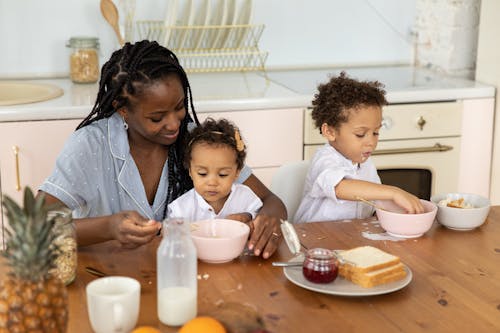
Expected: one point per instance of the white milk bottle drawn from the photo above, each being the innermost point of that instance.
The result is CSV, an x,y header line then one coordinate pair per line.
x,y
176,274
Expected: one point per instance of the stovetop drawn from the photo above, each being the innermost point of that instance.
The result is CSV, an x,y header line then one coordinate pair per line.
x,y
396,79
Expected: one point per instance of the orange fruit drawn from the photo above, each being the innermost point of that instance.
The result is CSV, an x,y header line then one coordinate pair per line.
x,y
203,324
145,329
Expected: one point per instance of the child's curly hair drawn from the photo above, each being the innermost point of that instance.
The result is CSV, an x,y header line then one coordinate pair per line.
x,y
334,99
217,133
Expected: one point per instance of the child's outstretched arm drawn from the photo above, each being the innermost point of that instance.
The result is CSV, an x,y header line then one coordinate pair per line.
x,y
350,189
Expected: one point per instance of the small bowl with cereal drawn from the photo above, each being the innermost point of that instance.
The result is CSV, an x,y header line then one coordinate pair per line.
x,y
461,211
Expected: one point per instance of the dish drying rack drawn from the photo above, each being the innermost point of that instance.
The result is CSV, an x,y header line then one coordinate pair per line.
x,y
216,48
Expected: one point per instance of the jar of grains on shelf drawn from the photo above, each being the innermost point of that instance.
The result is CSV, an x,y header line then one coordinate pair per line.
x,y
84,59
65,240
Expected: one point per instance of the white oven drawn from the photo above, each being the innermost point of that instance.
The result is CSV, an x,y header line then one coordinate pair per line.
x,y
418,149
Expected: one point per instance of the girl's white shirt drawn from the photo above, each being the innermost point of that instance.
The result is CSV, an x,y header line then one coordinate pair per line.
x,y
193,207
319,201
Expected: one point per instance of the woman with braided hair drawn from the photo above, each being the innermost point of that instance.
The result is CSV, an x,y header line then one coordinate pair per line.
x,y
123,165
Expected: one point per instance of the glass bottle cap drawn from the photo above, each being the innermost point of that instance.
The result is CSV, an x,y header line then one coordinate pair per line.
x,y
291,238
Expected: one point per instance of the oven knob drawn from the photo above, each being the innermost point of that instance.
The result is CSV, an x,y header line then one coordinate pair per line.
x,y
386,123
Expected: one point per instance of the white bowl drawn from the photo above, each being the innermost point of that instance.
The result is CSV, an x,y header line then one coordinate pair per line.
x,y
219,240
462,218
397,223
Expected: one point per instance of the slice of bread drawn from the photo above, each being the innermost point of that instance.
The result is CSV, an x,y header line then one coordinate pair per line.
x,y
368,266
366,259
375,281
375,278
348,273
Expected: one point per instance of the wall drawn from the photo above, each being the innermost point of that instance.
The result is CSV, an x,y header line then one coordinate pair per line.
x,y
447,35
488,71
33,33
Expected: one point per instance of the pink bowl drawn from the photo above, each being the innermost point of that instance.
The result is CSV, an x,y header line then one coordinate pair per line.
x,y
219,240
400,224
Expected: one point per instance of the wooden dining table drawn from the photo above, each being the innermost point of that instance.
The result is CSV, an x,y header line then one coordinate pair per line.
x,y
455,284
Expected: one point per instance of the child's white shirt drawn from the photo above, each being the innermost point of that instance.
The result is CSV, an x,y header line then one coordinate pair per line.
x,y
193,207
319,201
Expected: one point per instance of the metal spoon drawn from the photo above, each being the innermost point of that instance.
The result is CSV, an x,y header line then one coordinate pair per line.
x,y
337,254
287,263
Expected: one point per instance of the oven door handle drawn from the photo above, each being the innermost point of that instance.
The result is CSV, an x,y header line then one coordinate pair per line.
x,y
436,148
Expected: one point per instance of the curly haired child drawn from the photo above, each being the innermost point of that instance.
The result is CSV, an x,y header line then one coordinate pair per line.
x,y
348,114
214,157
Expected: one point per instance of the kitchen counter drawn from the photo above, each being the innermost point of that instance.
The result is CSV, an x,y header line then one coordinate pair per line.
x,y
404,84
212,92
253,91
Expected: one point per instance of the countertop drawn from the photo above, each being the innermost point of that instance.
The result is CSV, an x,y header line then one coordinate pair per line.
x,y
272,90
404,84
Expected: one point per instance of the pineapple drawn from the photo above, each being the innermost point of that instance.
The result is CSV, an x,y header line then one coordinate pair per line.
x,y
32,299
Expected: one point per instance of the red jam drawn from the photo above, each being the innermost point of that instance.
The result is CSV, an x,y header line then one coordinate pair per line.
x,y
319,266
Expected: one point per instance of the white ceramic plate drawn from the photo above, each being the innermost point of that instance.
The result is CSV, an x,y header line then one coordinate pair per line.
x,y
229,19
243,17
217,19
343,287
170,18
184,18
202,12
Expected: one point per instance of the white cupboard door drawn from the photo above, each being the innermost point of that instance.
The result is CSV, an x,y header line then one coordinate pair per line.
x,y
273,137
28,151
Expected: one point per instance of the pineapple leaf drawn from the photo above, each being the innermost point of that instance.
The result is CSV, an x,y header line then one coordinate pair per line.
x,y
29,202
31,250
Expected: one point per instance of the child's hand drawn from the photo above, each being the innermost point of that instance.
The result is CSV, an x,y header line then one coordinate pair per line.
x,y
408,201
242,217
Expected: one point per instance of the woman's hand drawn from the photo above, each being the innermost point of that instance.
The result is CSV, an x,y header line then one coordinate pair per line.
x,y
265,231
242,217
133,230
265,235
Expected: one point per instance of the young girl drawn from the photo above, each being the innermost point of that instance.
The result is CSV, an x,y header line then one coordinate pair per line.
x,y
214,157
348,114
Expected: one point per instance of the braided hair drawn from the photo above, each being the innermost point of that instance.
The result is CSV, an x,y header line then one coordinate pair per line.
x,y
145,62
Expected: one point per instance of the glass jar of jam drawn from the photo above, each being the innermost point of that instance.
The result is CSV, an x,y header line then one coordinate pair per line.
x,y
320,266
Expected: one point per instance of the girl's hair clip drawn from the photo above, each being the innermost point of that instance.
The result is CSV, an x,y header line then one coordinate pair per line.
x,y
240,146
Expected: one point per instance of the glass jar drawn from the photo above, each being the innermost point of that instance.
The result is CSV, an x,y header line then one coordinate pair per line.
x,y
177,269
84,59
66,260
320,266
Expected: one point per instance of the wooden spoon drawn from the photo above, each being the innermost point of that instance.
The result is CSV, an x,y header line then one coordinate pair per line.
x,y
110,13
370,203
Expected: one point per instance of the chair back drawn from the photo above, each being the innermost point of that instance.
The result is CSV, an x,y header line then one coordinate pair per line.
x,y
288,184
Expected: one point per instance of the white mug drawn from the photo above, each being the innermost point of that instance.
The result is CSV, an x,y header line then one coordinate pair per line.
x,y
113,304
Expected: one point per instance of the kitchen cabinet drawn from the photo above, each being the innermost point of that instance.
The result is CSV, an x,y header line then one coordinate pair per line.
x,y
28,150
273,137
37,143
